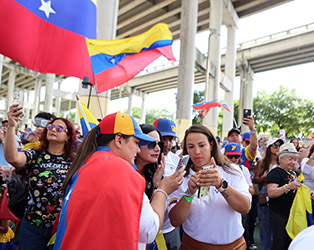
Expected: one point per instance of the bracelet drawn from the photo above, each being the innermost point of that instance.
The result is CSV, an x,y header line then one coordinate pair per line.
x,y
188,198
162,191
253,131
285,187
312,157
187,193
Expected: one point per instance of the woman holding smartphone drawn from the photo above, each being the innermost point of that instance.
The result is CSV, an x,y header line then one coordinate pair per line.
x,y
214,221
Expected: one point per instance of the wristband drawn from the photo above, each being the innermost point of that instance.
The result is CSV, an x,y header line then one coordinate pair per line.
x,y
188,198
162,191
253,131
312,157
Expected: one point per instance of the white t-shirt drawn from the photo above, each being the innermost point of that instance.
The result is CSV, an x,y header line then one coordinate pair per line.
x,y
149,224
172,161
308,172
211,219
304,240
247,175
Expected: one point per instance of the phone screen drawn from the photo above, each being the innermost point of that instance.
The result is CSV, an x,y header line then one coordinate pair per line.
x,y
246,113
184,159
204,191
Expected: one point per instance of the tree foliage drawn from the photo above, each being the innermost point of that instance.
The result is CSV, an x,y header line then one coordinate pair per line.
x,y
283,109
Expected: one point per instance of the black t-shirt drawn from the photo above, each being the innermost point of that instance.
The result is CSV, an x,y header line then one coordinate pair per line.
x,y
46,174
283,203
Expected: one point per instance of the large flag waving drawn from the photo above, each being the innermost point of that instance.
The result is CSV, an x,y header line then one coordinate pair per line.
x,y
115,62
48,35
88,121
205,106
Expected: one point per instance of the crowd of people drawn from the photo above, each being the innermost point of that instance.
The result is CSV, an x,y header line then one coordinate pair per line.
x,y
123,186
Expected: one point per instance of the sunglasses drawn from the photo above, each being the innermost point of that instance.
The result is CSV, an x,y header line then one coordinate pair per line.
x,y
276,145
153,144
233,156
58,128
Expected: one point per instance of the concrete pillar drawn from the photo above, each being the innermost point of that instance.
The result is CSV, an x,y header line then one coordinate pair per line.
x,y
38,84
143,113
50,78
230,67
186,66
211,89
1,67
107,17
130,100
58,102
246,91
11,86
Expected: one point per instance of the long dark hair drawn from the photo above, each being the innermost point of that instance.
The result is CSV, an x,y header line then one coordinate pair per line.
x,y
311,151
215,152
89,145
87,148
150,169
266,160
70,147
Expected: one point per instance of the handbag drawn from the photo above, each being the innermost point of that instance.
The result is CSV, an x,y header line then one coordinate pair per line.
x,y
18,195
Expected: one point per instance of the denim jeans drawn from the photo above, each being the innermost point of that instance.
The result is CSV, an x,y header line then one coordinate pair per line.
x,y
265,231
32,237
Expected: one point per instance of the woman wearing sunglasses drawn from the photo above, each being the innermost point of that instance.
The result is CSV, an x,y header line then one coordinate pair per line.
x,y
47,168
263,167
150,161
214,220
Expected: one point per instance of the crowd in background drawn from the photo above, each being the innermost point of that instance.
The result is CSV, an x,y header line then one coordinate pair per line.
x,y
123,181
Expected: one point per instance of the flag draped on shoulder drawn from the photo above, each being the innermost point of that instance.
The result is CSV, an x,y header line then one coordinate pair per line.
x,y
49,36
300,216
87,120
204,107
115,62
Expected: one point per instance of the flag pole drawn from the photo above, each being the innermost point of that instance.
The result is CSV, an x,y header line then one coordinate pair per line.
x,y
86,83
83,113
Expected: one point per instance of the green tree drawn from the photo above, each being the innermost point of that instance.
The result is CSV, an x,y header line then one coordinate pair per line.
x,y
283,109
153,114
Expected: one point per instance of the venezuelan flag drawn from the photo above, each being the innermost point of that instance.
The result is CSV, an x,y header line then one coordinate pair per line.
x,y
88,121
49,36
300,216
115,62
205,106
158,244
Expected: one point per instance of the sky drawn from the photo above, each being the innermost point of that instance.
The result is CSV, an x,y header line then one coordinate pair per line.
x,y
283,17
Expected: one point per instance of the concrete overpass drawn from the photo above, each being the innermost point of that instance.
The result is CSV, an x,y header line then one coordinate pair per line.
x,y
283,49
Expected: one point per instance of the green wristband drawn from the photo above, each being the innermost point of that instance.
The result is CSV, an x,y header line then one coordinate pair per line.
x,y
188,198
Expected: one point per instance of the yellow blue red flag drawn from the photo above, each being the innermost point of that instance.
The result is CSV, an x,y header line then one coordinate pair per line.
x,y
88,121
117,61
300,216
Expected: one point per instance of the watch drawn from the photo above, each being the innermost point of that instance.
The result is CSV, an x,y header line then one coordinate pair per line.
x,y
224,186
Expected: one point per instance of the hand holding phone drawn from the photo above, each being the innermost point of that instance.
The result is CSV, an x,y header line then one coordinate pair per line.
x,y
246,114
204,191
183,162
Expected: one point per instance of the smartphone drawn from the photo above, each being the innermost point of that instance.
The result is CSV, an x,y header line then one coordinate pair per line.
x,y
246,113
204,191
18,98
184,159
